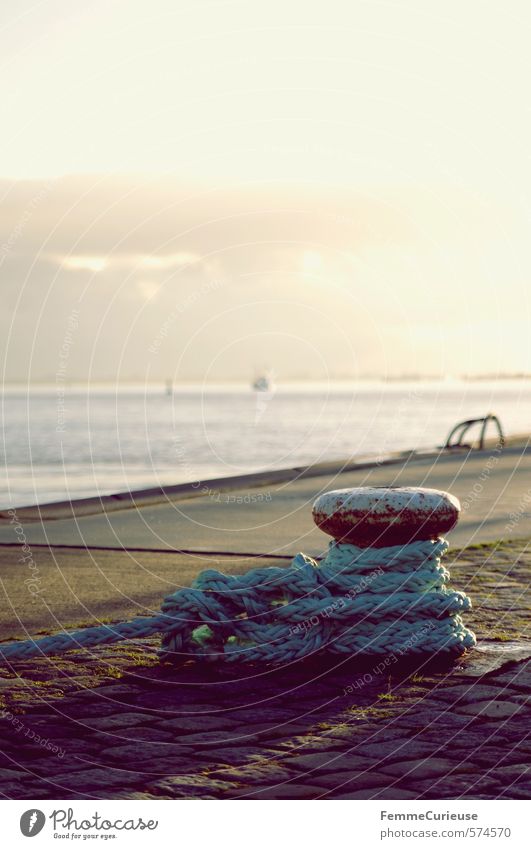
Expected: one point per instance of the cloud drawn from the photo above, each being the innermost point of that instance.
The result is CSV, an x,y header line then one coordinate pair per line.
x,y
315,281
148,289
95,263
84,263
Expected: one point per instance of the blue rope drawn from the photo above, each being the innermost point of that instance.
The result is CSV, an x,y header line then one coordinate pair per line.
x,y
356,600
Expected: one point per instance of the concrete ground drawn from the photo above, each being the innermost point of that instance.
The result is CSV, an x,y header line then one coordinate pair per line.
x,y
276,518
224,529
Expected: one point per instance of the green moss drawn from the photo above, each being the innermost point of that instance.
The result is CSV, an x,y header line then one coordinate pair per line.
x,y
483,546
502,636
107,671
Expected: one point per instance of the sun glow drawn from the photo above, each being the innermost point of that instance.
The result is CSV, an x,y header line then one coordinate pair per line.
x,y
85,263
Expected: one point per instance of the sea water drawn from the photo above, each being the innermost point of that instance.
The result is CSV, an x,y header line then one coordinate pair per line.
x,y
69,442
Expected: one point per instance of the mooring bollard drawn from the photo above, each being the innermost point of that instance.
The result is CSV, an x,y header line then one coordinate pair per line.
x,y
380,590
391,539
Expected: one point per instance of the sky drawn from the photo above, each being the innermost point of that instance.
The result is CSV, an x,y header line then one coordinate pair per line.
x,y
203,190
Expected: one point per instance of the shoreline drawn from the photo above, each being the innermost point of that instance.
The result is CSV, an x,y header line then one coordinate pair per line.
x,y
148,496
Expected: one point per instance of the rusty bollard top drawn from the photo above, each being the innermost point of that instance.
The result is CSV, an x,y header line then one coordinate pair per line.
x,y
384,516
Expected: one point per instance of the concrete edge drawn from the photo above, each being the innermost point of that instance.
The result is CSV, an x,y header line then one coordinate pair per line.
x,y
208,552
195,489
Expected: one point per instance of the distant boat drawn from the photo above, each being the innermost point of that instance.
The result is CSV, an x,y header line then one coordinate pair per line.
x,y
169,387
263,383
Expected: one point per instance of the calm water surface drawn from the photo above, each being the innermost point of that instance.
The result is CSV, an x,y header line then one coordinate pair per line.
x,y
71,443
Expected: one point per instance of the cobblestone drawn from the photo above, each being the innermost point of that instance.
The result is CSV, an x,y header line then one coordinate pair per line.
x,y
424,768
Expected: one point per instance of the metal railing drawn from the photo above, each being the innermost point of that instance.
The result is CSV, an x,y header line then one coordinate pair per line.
x,y
457,434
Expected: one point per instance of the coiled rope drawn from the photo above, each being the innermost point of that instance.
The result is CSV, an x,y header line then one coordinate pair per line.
x,y
355,601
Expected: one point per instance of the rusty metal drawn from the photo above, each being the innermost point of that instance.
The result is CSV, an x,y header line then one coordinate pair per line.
x,y
384,516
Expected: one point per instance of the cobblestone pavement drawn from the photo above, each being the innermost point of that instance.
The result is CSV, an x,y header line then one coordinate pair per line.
x,y
116,723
